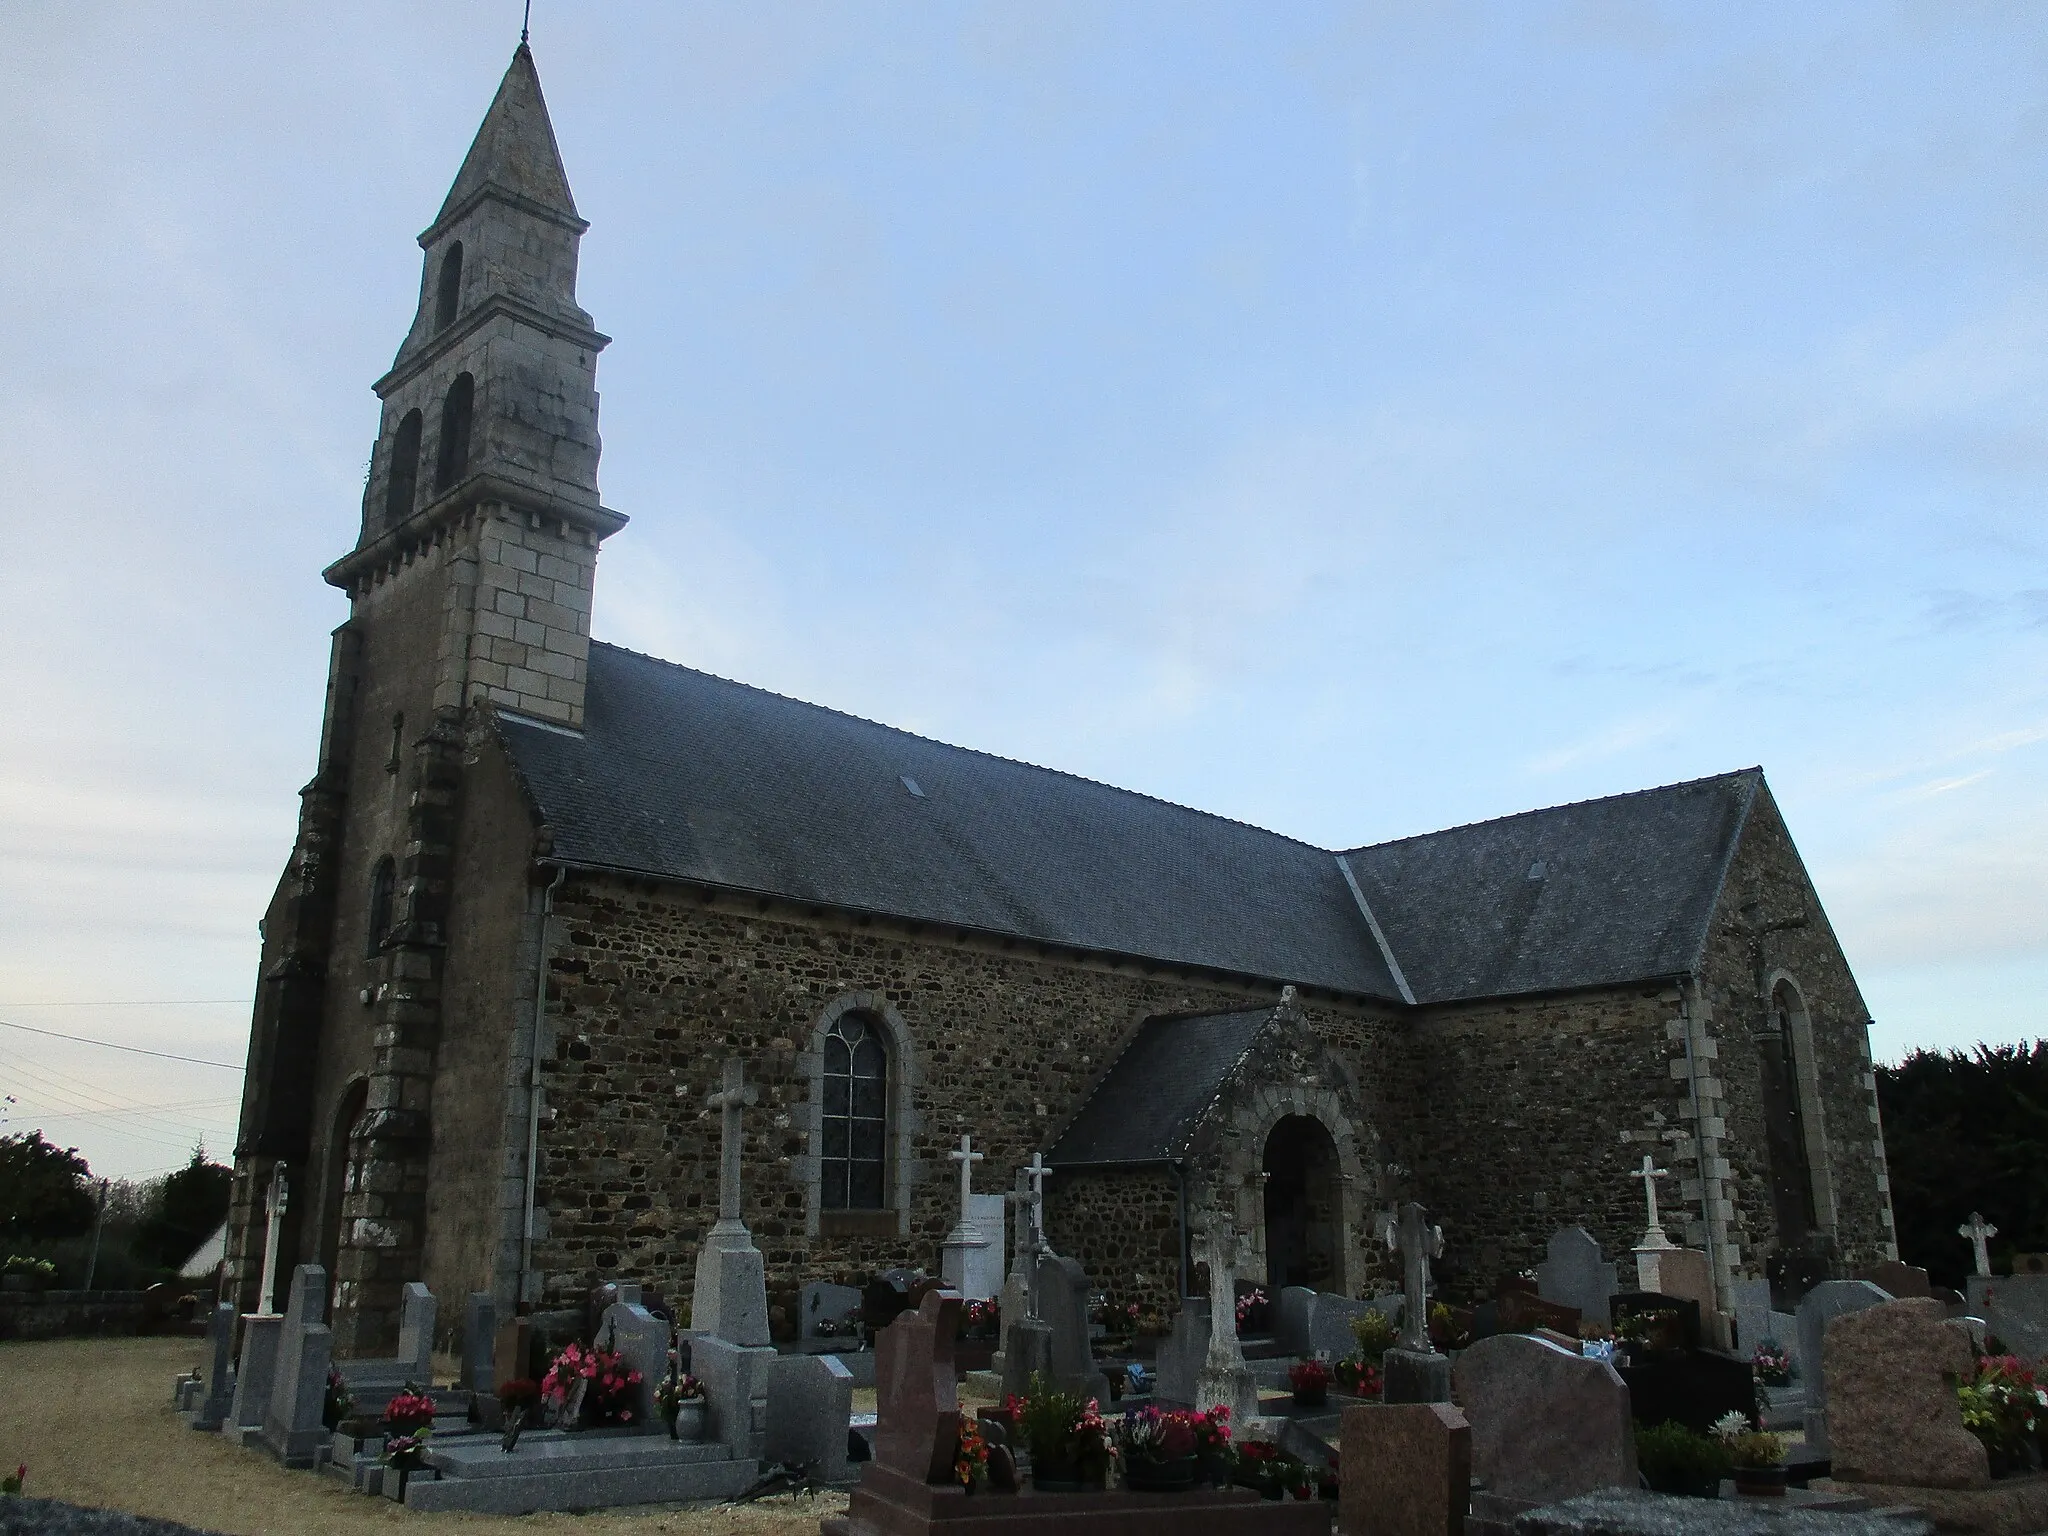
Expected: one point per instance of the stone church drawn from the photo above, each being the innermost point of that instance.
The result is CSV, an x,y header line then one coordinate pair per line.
x,y
543,888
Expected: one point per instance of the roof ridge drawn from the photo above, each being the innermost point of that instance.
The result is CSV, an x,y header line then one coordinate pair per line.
x,y
1755,772
994,757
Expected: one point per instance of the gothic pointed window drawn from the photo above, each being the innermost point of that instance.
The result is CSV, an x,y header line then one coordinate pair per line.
x,y
453,459
448,297
383,887
1785,1130
855,1115
401,482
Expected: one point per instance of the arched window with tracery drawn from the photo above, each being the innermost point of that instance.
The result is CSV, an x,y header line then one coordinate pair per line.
x,y
453,459
855,1115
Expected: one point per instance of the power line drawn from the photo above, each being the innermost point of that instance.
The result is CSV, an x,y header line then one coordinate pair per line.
x,y
138,1002
110,1045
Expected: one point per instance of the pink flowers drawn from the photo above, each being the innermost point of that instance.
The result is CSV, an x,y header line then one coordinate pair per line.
x,y
608,1397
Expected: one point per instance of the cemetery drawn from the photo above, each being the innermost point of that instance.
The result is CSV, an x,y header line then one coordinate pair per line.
x,y
1009,1390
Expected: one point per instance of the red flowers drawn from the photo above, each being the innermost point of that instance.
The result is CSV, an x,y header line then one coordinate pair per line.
x,y
1308,1376
409,1413
608,1398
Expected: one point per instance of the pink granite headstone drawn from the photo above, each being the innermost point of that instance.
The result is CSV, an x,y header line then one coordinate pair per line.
x,y
917,1403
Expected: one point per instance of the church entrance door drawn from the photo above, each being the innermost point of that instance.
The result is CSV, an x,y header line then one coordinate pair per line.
x,y
334,1180
1304,1214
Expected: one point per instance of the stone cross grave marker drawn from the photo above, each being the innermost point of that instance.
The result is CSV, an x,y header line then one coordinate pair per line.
x,y
966,1157
1410,1233
1650,1173
1979,1232
1224,1377
1034,1217
731,1299
275,1204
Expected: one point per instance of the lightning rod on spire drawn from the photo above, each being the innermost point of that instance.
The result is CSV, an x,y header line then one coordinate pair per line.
x,y
525,21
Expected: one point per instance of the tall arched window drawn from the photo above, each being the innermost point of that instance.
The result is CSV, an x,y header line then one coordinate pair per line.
x,y
1785,1130
448,298
383,886
453,459
402,483
855,1116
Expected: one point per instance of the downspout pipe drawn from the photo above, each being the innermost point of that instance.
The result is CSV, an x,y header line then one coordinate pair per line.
x,y
1699,1133
533,1092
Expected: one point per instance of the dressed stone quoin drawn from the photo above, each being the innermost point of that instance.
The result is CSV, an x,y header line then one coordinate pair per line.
x,y
547,894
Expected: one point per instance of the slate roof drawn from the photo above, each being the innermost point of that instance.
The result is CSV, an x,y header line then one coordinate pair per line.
x,y
1626,888
1146,1107
682,775
687,776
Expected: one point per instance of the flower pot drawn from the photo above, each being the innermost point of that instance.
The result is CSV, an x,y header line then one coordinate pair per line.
x,y
1214,1470
1174,1474
1761,1482
688,1424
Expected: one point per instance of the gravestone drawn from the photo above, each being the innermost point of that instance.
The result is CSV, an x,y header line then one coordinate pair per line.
x,y
417,1313
641,1339
1900,1281
1315,1323
964,1261
479,1341
1183,1354
810,1404
1574,1274
836,1307
1756,1320
917,1404
1892,1411
735,1380
254,1373
1407,1470
1062,1291
512,1351
1522,1312
2015,1308
218,1384
1413,1371
1633,1303
731,1299
990,1218
1224,1380
1547,1423
1680,1272
292,1427
1825,1302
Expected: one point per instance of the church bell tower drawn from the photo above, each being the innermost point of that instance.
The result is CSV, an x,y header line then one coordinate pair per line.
x,y
469,591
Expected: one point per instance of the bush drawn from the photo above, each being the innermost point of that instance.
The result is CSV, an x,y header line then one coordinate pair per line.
x,y
1374,1333
45,1191
1674,1459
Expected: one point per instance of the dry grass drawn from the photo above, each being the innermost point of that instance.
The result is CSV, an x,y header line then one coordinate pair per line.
x,y
92,1419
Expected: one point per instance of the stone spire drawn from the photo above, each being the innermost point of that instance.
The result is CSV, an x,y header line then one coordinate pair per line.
x,y
514,153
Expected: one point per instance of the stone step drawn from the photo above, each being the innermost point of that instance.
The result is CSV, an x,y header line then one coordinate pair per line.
x,y
551,1470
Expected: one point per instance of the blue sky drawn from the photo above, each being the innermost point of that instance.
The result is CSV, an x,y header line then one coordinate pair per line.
x,y
1356,419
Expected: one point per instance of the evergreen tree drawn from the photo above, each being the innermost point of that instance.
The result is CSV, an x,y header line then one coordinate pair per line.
x,y
1962,1134
189,1204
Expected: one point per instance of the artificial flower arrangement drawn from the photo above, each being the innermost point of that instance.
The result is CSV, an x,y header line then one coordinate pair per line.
x,y
1212,1431
981,1320
676,1390
336,1403
2007,1409
970,1455
408,1421
608,1397
1310,1380
1251,1302
1772,1363
1272,1472
1148,1436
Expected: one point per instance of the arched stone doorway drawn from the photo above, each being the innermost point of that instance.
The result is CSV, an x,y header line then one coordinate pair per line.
x,y
1304,1205
334,1176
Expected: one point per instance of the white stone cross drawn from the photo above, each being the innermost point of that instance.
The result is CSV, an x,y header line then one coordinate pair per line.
x,y
966,1157
1410,1233
1979,1232
279,1199
1650,1173
1036,1171
735,1094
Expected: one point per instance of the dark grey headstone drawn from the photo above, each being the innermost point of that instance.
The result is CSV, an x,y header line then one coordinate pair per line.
x,y
292,1427
1827,1300
1184,1353
1409,1376
641,1339
1063,1305
255,1371
1575,1275
479,1342
821,1302
810,1404
417,1313
212,1409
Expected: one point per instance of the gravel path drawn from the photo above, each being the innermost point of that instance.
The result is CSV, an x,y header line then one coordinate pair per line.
x,y
92,1419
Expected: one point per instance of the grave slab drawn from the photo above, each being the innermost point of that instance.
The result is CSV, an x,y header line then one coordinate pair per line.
x,y
1408,1470
2014,1506
591,1469
1637,1512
